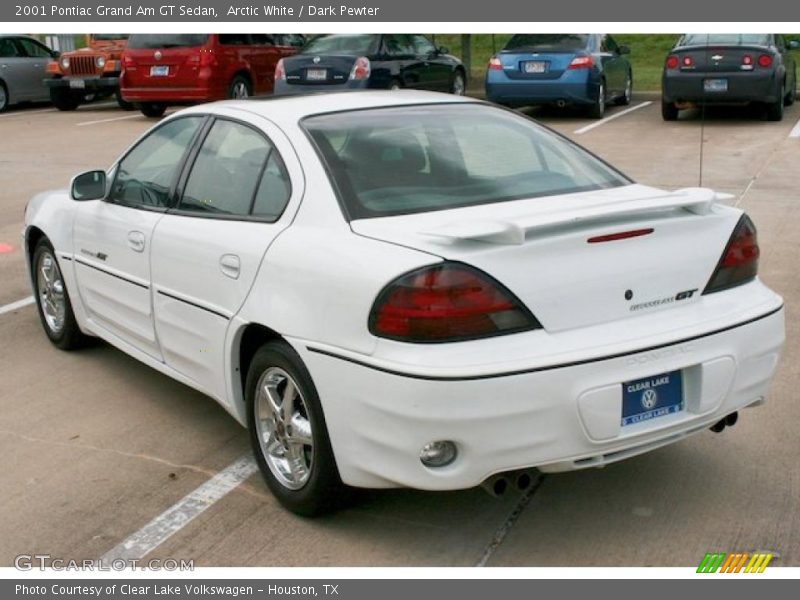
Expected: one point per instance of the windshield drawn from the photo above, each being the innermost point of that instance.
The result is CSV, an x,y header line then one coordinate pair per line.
x,y
166,40
347,44
109,37
547,41
735,39
411,159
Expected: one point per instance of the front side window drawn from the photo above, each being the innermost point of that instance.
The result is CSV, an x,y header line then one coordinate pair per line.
x,y
146,175
411,159
34,49
236,173
423,46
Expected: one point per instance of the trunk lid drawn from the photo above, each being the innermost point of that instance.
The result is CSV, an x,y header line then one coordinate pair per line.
x,y
314,69
173,64
536,65
720,58
539,249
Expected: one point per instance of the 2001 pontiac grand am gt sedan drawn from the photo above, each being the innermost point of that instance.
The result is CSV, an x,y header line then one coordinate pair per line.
x,y
409,289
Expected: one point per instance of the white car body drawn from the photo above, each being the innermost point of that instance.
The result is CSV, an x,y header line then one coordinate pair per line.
x,y
547,398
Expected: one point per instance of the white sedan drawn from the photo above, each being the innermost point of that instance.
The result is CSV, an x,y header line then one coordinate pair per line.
x,y
409,289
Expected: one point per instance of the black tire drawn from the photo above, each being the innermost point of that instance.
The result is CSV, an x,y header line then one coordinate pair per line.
x,y
669,112
625,98
240,88
323,490
68,336
790,97
3,97
122,103
65,99
153,110
774,110
598,109
458,85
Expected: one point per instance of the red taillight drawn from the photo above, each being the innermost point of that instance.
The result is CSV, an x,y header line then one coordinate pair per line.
x,y
581,62
747,60
361,69
672,62
765,60
495,64
687,61
280,71
622,235
446,303
739,262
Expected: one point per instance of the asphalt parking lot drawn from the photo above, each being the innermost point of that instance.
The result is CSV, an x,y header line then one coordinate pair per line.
x,y
96,445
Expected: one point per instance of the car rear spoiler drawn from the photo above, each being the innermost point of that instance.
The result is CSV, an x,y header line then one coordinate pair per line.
x,y
697,201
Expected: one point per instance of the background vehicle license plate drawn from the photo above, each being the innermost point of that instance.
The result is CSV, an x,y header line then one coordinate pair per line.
x,y
159,71
715,85
535,66
317,74
652,397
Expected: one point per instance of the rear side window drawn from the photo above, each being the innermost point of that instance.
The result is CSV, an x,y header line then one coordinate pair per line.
x,y
405,160
166,40
34,49
7,48
548,41
145,176
237,172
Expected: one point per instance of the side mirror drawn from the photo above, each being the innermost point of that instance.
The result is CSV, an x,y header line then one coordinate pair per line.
x,y
88,186
624,50
443,50
794,44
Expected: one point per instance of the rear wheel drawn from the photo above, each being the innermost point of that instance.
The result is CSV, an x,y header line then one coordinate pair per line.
x,y
52,300
598,109
288,432
3,97
65,99
669,112
775,109
395,85
154,110
240,88
459,84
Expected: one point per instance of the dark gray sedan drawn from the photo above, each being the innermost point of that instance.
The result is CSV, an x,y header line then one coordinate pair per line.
x,y
23,64
738,68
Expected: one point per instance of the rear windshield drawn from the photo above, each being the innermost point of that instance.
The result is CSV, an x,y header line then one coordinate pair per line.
x,y
411,159
734,39
109,37
347,44
167,40
547,41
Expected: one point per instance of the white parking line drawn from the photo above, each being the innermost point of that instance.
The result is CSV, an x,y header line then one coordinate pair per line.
x,y
24,113
136,116
795,132
583,130
164,526
16,305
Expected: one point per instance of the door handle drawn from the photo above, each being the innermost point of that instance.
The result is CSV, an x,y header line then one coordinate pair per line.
x,y
136,241
230,265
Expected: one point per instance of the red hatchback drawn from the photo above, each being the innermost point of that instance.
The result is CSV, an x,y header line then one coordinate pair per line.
x,y
163,69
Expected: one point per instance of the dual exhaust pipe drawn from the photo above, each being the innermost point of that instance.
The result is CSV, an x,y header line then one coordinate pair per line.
x,y
728,421
520,480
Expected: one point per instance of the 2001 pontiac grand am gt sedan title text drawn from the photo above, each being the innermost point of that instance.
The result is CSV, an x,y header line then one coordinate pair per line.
x,y
409,289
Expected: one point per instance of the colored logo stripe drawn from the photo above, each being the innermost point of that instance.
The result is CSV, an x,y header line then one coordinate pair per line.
x,y
711,562
735,562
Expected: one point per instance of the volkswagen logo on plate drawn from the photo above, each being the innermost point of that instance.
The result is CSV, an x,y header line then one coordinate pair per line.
x,y
649,399
316,60
157,55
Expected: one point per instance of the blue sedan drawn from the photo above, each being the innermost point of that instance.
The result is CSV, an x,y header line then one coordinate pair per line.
x,y
588,70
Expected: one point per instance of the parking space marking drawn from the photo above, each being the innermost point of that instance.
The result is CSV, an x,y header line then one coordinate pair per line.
x,y
136,116
23,113
175,518
17,305
583,130
795,132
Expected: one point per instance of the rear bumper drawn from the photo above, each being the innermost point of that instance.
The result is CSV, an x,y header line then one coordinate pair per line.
x,y
578,87
91,84
742,87
556,418
171,95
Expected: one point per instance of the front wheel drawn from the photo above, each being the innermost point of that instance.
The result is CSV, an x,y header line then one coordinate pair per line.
x,y
52,300
65,99
625,99
153,110
3,97
458,86
288,432
791,95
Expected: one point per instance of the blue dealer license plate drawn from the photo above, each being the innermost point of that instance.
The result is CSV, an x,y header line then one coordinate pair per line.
x,y
652,397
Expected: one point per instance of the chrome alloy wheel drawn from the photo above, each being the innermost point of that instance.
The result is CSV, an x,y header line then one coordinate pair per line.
x,y
50,286
240,90
284,428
